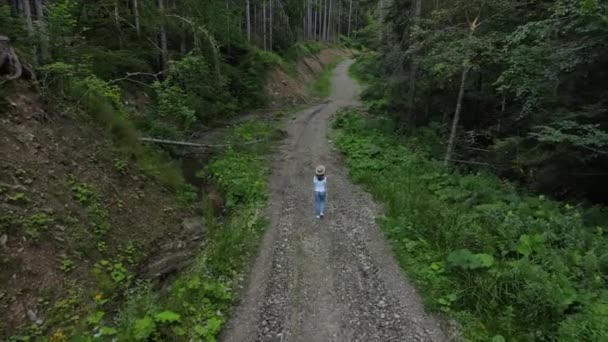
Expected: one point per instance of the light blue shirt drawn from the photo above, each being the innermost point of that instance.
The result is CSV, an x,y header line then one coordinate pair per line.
x,y
320,184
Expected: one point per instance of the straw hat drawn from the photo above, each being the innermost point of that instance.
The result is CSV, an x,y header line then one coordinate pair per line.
x,y
320,170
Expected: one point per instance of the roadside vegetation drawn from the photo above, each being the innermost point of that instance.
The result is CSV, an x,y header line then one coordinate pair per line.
x,y
196,305
484,134
507,265
321,87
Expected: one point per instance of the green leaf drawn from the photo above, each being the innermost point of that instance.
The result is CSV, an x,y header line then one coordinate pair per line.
x,y
463,258
167,317
498,338
95,318
108,331
485,260
530,243
143,328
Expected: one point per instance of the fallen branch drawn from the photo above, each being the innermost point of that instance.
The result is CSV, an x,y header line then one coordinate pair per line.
x,y
468,162
191,144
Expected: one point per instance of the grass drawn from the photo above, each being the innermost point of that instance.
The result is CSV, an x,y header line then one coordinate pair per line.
x,y
321,87
506,265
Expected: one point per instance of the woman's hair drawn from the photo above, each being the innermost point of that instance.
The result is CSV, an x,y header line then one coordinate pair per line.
x,y
320,177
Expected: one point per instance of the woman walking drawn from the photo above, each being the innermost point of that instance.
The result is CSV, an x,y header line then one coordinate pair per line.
x,y
320,182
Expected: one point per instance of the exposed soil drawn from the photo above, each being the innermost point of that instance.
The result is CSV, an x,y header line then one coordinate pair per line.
x,y
333,279
42,154
283,88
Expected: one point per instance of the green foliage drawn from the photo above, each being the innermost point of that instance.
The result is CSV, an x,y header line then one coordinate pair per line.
x,y
366,68
501,262
101,100
321,87
463,258
167,317
67,265
172,105
143,328
12,26
197,301
303,49
120,166
241,171
62,29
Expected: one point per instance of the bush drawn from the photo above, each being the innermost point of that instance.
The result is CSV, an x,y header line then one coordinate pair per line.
x,y
528,268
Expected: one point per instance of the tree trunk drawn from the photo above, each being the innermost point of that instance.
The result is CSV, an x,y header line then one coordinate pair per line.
x,y
136,15
456,119
256,23
43,30
308,19
337,20
163,36
350,15
248,14
315,27
270,27
413,73
329,21
117,23
183,46
324,19
264,23
27,11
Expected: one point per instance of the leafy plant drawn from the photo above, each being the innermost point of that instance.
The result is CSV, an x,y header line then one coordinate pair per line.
x,y
120,166
167,317
67,265
143,328
19,198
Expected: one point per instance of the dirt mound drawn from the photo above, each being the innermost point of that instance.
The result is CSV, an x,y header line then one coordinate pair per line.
x,y
68,200
291,88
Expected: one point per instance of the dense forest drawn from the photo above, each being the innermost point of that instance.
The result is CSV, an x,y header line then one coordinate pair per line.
x,y
207,57
512,86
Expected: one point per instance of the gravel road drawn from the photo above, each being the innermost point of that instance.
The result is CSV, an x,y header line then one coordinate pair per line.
x,y
333,279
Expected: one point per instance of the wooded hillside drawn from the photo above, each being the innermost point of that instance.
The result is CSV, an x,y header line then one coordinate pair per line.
x,y
206,58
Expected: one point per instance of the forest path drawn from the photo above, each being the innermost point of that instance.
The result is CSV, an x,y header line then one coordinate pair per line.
x,y
333,279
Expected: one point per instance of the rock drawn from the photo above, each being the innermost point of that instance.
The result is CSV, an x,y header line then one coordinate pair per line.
x,y
168,264
382,304
31,315
193,225
3,240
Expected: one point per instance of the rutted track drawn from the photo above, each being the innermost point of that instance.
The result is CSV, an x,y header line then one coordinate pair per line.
x,y
328,280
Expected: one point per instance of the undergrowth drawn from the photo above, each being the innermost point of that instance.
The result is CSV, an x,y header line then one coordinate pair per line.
x,y
99,100
321,87
195,307
506,265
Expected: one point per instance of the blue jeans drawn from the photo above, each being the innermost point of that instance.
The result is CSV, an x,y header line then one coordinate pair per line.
x,y
319,203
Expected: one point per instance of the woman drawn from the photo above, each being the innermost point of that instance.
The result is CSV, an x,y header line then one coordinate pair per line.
x,y
319,182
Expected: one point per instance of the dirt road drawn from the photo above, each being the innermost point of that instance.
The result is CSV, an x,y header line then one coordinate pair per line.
x,y
333,279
